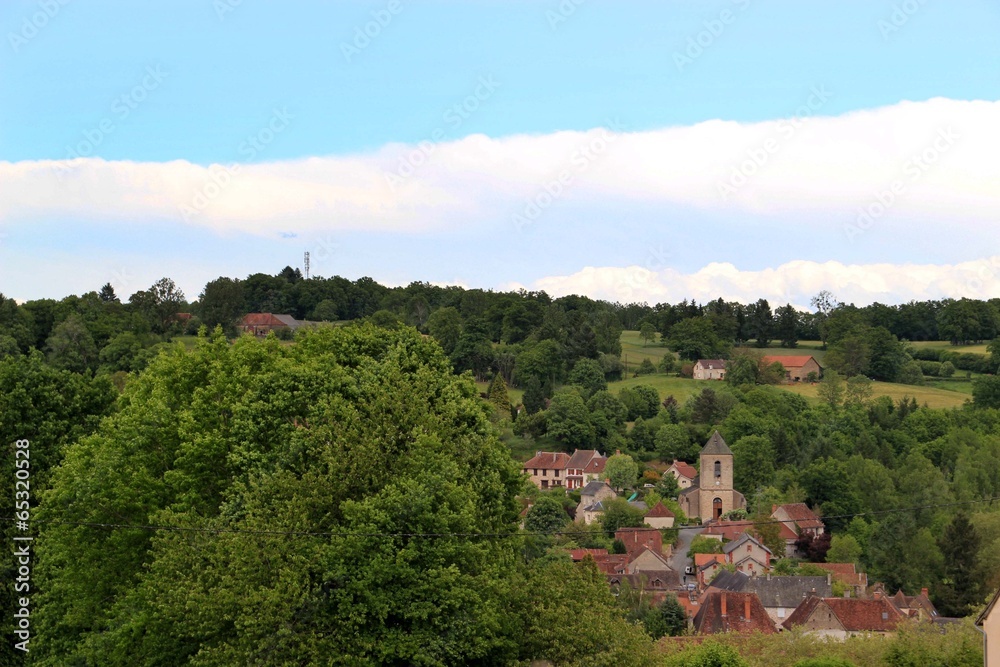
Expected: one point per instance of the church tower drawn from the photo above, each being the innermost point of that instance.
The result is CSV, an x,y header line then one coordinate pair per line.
x,y
712,493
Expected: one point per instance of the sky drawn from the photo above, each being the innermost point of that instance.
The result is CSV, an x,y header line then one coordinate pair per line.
x,y
627,150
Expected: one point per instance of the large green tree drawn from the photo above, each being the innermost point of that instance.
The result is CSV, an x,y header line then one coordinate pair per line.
x,y
304,472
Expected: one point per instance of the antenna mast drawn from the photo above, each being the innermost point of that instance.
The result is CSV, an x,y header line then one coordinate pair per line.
x,y
307,264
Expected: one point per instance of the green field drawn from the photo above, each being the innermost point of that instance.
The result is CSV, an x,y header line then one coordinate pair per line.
x,y
932,396
945,345
634,350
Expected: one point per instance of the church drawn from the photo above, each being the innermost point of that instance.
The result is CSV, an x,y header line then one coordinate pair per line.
x,y
711,494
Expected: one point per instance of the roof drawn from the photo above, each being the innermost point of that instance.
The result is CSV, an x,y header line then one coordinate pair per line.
x,y
594,486
845,573
791,361
639,505
716,446
701,560
660,580
634,555
855,614
685,469
774,591
269,320
728,611
989,608
580,554
548,460
729,547
596,466
800,514
659,509
711,363
728,530
581,458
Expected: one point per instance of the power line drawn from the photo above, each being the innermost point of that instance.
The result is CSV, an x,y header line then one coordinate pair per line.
x,y
749,523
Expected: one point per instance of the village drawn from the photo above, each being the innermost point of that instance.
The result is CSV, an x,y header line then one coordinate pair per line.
x,y
742,586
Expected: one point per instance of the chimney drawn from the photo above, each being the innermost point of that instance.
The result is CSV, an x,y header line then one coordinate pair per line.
x,y
722,598
847,593
923,591
829,578
618,451
769,576
878,595
746,607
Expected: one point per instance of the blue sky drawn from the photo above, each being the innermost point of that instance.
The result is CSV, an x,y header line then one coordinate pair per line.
x,y
130,105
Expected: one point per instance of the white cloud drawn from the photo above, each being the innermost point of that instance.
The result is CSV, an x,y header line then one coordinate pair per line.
x,y
794,282
810,169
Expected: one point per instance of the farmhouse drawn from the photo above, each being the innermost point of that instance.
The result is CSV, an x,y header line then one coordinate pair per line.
x,y
551,469
711,495
261,324
709,369
684,473
797,368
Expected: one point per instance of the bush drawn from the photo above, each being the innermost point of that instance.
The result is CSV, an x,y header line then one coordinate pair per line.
x,y
646,367
687,370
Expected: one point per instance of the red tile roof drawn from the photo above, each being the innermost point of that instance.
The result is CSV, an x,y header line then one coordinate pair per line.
x,y
855,614
596,466
548,461
580,554
700,560
685,469
727,611
790,361
728,530
581,458
801,515
845,573
659,509
635,539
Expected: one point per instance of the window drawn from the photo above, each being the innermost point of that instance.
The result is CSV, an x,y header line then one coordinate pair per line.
x,y
544,472
749,548
885,616
556,473
718,468
781,612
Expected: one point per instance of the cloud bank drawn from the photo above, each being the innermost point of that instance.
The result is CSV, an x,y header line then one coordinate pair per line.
x,y
929,161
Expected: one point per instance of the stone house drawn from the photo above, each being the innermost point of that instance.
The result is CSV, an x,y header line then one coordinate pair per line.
x,y
779,595
584,466
796,519
593,494
709,369
748,554
727,611
797,368
547,469
659,517
684,473
839,618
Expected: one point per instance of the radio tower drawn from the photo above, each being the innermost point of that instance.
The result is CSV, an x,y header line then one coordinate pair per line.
x,y
307,264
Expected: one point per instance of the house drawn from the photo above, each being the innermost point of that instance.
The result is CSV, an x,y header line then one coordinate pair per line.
x,y
707,567
659,517
727,611
797,368
989,622
840,618
584,466
796,519
636,539
847,574
684,473
919,606
547,469
748,554
711,494
656,585
647,559
591,497
606,562
551,469
779,595
709,369
261,324
727,531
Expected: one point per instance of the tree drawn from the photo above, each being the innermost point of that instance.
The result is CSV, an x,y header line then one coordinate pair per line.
x,y
589,376
695,338
221,303
831,389
702,544
961,588
858,391
760,323
911,373
947,369
850,355
497,394
607,415
71,347
621,472
445,326
641,401
667,363
107,294
534,396
753,463
786,328
619,514
986,391
648,333
824,303
646,367
843,549
568,420
667,620
356,430
547,515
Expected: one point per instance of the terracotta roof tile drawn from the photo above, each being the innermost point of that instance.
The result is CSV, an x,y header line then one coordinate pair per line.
x,y
548,461
659,509
790,361
727,611
685,469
